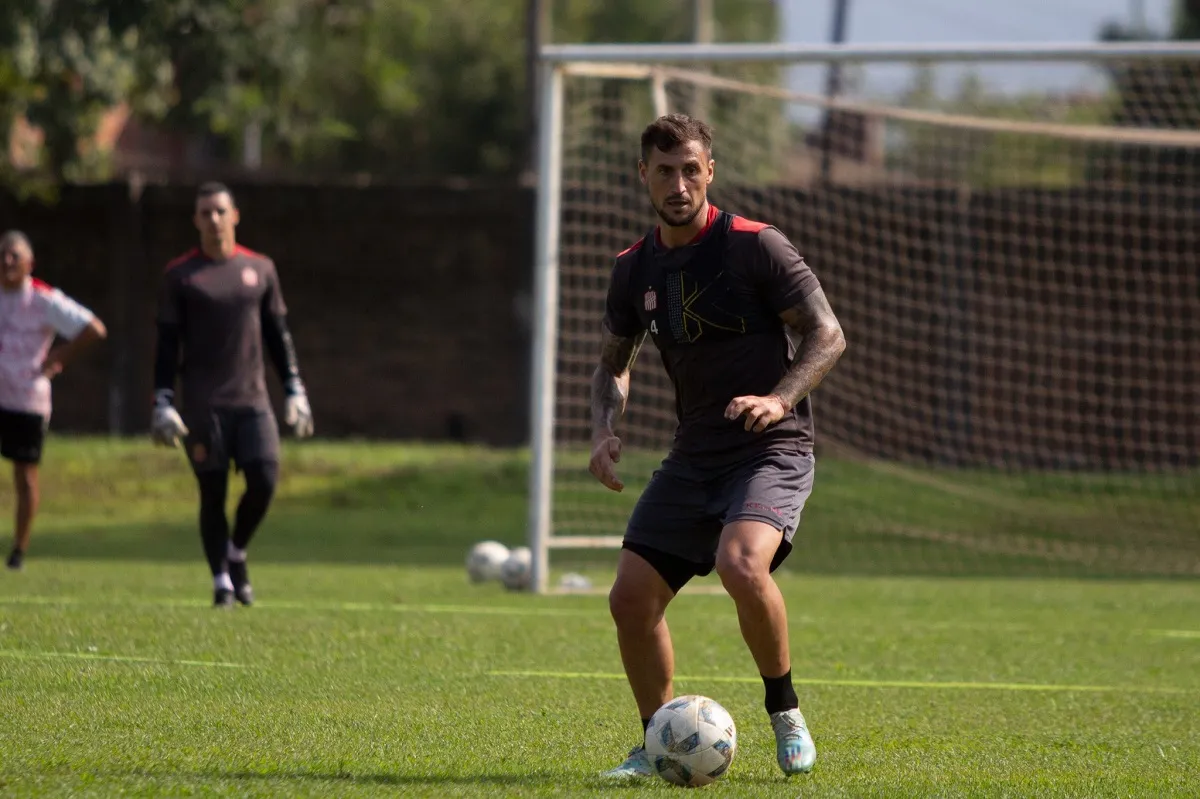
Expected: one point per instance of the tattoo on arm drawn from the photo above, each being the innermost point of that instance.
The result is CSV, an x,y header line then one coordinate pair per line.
x,y
823,343
610,382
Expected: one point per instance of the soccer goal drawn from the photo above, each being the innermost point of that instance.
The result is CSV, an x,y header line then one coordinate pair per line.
x,y
1009,235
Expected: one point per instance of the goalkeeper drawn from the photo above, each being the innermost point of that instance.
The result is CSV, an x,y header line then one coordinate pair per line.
x,y
745,334
219,304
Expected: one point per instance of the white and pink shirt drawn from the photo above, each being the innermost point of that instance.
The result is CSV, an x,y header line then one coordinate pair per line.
x,y
30,318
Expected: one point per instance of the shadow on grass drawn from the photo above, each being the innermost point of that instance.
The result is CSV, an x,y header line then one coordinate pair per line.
x,y
418,515
572,782
464,780
498,781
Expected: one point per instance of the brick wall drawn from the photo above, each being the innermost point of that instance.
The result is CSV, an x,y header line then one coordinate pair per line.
x,y
406,303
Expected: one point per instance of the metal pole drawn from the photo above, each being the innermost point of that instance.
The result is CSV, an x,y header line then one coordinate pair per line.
x,y
702,33
545,325
1137,18
868,53
833,85
538,33
659,87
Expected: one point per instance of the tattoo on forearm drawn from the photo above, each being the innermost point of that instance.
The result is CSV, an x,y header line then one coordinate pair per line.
x,y
610,381
822,345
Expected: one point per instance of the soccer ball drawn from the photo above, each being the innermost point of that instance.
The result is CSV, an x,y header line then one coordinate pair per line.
x,y
691,741
484,561
516,571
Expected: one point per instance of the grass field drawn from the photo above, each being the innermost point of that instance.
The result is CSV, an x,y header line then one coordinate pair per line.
x,y
929,664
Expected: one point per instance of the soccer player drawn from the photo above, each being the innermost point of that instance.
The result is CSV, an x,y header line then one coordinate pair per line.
x,y
221,303
31,315
745,333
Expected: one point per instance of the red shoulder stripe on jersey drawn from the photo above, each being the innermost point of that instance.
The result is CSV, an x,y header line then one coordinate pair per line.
x,y
743,225
240,250
713,212
40,285
187,256
637,245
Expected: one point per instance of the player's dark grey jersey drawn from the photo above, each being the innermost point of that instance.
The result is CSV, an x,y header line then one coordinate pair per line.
x,y
712,308
218,307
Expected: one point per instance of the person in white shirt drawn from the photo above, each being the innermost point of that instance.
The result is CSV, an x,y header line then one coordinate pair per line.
x,y
32,314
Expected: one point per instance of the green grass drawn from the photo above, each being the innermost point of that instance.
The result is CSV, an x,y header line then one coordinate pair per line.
x,y
968,662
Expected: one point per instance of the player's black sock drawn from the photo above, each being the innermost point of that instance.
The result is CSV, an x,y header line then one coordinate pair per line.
x,y
781,695
214,527
261,478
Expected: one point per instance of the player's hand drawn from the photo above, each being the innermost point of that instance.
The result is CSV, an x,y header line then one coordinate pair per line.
x,y
166,426
297,411
51,368
606,453
760,412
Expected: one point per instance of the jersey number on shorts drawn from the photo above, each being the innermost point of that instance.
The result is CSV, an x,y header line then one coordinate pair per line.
x,y
654,326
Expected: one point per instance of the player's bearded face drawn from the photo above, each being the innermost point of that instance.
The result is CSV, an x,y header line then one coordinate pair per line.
x,y
678,182
16,262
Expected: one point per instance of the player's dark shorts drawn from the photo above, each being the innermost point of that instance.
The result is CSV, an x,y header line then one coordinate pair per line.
x,y
222,436
676,525
22,436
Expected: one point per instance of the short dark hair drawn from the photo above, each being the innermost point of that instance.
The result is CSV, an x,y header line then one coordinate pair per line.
x,y
213,188
674,130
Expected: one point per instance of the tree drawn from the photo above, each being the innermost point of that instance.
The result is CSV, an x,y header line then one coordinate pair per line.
x,y
387,87
64,64
1153,94
991,156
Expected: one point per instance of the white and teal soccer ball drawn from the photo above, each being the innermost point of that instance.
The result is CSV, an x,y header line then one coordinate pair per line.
x,y
516,573
691,741
485,561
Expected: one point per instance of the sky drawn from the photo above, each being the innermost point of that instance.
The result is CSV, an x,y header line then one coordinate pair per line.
x,y
933,21
965,21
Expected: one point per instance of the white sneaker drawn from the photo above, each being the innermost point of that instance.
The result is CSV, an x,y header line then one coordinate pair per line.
x,y
794,747
636,765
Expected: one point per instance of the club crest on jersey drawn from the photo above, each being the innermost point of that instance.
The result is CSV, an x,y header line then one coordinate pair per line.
x,y
651,300
249,277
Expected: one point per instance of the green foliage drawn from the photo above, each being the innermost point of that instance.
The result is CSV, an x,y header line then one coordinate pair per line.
x,y
597,21
1187,20
64,64
1153,95
1185,26
988,158
388,87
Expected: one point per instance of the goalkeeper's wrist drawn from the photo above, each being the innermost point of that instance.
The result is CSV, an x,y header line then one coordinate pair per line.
x,y
294,387
164,397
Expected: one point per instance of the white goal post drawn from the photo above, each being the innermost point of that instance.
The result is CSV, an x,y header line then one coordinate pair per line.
x,y
895,157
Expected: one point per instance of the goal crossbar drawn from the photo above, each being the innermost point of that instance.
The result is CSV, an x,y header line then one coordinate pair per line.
x,y
865,53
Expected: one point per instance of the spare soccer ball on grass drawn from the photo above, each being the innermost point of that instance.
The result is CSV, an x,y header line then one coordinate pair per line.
x,y
691,741
516,573
485,560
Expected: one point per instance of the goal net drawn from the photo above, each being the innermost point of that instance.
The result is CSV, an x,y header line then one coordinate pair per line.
x,y
1011,247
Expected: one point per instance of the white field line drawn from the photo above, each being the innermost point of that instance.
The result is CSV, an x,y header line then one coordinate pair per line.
x,y
18,654
918,684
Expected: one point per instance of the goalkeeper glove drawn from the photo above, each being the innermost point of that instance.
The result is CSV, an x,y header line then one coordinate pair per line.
x,y
298,413
166,426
